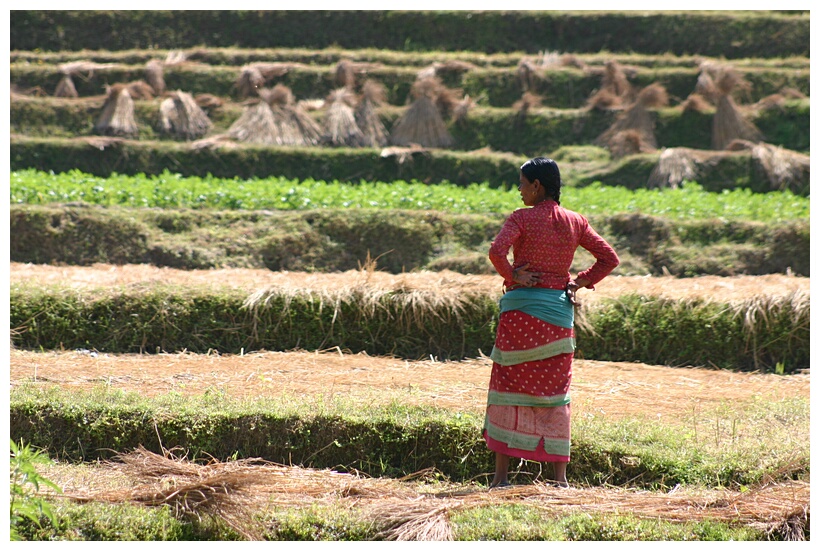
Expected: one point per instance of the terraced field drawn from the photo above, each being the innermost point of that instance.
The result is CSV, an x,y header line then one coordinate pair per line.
x,y
183,404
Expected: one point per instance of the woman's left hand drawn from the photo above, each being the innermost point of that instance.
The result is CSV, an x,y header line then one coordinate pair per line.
x,y
523,276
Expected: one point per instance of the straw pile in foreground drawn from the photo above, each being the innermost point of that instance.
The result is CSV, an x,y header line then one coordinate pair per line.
x,y
239,494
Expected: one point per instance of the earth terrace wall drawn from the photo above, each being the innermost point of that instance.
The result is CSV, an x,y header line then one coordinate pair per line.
x,y
760,333
737,34
102,157
402,240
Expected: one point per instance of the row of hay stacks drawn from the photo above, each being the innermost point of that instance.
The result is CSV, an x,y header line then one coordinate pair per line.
x,y
633,131
273,117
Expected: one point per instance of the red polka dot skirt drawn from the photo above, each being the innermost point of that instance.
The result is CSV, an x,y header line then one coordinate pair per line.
x,y
528,405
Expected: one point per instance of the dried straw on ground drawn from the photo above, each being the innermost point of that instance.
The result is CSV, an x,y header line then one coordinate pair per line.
x,y
634,130
403,154
154,75
367,118
255,76
233,490
422,122
340,128
452,67
117,117
181,117
729,122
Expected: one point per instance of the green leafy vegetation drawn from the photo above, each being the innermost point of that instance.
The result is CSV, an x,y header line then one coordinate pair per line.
x,y
170,190
24,485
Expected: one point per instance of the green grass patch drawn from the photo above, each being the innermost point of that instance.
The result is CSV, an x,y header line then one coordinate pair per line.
x,y
734,445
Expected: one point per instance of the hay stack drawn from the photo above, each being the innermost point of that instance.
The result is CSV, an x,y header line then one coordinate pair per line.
x,y
140,90
254,76
367,119
785,169
527,102
275,120
340,128
181,117
729,123
154,76
527,74
615,90
634,130
675,165
461,108
422,122
65,88
117,117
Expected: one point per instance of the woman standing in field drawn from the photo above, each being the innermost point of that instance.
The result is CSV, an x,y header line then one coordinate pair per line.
x,y
528,404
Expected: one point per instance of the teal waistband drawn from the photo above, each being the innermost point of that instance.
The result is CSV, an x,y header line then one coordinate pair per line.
x,y
549,305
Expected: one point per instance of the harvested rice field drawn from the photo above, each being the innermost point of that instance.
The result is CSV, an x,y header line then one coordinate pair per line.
x,y
414,508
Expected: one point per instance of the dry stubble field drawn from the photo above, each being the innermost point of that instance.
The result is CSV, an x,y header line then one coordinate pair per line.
x,y
603,389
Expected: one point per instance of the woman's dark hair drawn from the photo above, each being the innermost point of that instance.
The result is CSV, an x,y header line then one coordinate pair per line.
x,y
545,171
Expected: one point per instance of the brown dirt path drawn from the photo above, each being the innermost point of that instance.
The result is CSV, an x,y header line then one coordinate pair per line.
x,y
612,389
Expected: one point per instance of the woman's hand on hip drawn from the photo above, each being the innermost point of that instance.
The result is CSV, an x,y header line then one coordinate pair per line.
x,y
523,276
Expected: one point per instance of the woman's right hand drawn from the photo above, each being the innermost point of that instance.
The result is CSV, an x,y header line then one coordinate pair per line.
x,y
523,276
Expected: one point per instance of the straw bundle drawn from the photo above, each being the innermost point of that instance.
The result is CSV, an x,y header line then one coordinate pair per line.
x,y
345,75
154,75
527,74
634,130
276,120
461,108
181,117
615,80
65,88
117,117
527,102
785,169
140,90
675,165
208,102
230,491
422,123
254,76
695,103
367,119
728,124
340,128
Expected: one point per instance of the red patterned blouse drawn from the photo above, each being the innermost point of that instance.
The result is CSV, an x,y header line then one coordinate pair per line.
x,y
546,236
